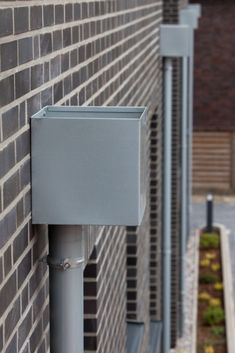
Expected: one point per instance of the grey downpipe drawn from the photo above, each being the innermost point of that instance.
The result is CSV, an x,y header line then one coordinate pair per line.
x,y
65,262
184,184
167,205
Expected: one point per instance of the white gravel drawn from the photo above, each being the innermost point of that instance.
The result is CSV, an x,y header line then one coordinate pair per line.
x,y
187,344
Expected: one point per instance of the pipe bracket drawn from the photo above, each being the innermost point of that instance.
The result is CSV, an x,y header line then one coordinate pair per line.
x,y
63,264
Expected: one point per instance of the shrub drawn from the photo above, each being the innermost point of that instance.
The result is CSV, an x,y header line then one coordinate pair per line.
x,y
209,349
218,286
209,241
205,263
204,296
210,256
213,315
215,267
218,330
215,302
207,278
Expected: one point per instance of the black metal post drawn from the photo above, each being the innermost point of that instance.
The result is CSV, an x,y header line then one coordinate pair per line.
x,y
209,213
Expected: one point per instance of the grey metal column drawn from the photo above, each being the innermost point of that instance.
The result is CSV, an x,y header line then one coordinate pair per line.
x,y
190,129
174,42
184,183
195,9
189,16
66,288
167,205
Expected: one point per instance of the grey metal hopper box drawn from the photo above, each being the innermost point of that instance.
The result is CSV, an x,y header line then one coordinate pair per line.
x,y
197,8
189,16
88,165
175,40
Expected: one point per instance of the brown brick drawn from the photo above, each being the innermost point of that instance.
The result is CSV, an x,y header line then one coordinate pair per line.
x,y
12,319
11,189
7,293
1,337
7,155
59,14
35,17
22,82
8,55
24,329
6,22
12,346
7,226
24,268
36,76
25,50
36,336
7,261
7,90
21,19
20,243
48,15
45,44
68,12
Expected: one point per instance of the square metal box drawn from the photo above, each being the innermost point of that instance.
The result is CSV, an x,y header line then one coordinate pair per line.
x,y
88,165
197,8
189,16
175,40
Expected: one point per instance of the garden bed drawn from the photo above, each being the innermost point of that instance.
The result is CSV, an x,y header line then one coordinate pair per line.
x,y
211,325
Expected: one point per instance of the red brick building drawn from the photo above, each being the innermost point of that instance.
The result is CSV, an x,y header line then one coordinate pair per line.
x,y
214,103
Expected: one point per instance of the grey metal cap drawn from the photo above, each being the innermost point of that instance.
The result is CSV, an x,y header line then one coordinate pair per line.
x,y
175,40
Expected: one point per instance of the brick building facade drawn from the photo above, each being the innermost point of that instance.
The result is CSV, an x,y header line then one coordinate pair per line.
x,y
214,67
214,105
91,52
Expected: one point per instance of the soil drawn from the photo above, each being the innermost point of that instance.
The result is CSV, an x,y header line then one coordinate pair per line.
x,y
205,335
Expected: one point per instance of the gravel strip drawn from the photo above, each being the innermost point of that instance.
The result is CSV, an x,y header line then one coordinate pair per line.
x,y
187,343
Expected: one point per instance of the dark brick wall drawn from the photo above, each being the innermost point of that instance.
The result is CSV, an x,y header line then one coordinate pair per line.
x,y
214,103
105,293
70,52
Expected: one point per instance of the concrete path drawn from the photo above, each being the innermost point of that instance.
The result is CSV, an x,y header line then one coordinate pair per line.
x,y
224,213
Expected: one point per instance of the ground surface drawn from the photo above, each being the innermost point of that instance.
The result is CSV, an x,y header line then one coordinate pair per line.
x,y
224,213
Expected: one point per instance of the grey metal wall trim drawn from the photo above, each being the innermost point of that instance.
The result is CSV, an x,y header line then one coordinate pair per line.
x,y
184,184
155,336
175,41
189,16
167,204
135,334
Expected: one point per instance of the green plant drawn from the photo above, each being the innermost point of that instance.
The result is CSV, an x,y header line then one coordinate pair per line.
x,y
205,263
209,349
213,315
215,267
210,255
207,278
209,241
218,330
204,296
214,302
218,286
